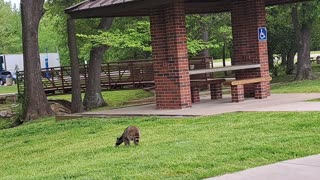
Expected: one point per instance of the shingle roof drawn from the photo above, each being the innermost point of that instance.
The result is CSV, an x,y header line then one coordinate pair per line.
x,y
96,4
119,8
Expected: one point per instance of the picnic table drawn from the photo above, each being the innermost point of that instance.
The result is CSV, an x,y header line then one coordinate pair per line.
x,y
216,83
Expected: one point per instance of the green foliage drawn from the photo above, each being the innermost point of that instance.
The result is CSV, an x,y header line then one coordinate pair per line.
x,y
280,30
197,45
134,34
10,29
49,37
186,148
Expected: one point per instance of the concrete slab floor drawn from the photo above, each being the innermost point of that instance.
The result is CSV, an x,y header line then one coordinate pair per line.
x,y
276,103
307,168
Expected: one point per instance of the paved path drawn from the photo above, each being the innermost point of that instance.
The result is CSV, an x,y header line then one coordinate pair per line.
x,y
277,102
307,168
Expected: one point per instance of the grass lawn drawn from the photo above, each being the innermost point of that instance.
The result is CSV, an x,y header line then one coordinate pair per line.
x,y
189,148
114,98
315,52
311,86
286,83
8,89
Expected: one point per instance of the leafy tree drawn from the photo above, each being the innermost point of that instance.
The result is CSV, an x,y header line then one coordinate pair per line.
x,y
281,39
303,17
49,37
93,97
76,102
10,29
136,36
36,104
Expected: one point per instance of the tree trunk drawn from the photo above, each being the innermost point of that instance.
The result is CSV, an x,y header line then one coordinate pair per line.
x,y
290,61
93,97
205,36
283,59
224,57
35,101
303,40
270,59
76,102
304,70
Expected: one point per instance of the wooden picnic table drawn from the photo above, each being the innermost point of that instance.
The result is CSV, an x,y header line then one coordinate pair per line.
x,y
222,69
216,83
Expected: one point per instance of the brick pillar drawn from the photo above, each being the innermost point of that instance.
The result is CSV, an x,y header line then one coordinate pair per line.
x,y
260,92
195,94
216,90
170,56
237,93
247,17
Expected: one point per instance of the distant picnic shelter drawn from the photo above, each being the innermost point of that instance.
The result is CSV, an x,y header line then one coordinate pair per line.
x,y
169,41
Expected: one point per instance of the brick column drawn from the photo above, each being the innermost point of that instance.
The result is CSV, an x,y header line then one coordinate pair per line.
x,y
216,90
237,93
195,94
247,17
170,56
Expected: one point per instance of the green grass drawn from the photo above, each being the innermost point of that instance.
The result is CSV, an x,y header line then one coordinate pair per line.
x,y
310,86
8,89
5,123
286,83
114,98
314,100
220,60
315,52
190,148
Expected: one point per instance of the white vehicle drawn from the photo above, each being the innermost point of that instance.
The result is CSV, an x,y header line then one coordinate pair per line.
x,y
14,62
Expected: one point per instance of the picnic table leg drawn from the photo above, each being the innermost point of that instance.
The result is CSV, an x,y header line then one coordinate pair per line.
x,y
237,93
216,91
195,94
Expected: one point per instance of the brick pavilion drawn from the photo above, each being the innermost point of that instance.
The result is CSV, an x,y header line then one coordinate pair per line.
x,y
169,40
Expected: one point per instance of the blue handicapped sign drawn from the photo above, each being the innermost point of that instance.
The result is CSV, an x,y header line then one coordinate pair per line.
x,y
262,34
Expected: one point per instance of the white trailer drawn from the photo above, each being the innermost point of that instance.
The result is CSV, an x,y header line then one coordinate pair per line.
x,y
13,62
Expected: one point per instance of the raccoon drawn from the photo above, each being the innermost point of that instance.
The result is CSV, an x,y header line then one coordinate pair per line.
x,y
131,133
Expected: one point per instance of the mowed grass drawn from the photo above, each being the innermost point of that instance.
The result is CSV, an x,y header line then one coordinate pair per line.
x,y
8,89
308,86
189,148
286,83
114,98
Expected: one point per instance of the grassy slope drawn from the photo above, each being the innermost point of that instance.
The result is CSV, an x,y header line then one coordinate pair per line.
x,y
114,98
190,148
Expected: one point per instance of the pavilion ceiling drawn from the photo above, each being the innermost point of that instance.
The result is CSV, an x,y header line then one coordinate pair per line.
x,y
121,8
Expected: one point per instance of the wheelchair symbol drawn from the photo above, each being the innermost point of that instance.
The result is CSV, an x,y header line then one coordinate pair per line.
x,y
263,34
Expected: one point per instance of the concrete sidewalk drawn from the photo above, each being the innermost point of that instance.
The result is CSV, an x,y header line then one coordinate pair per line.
x,y
276,103
307,168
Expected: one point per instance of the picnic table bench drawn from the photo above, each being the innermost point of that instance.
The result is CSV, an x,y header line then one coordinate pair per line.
x,y
237,87
216,83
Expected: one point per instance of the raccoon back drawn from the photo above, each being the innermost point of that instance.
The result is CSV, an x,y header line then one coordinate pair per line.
x,y
131,132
